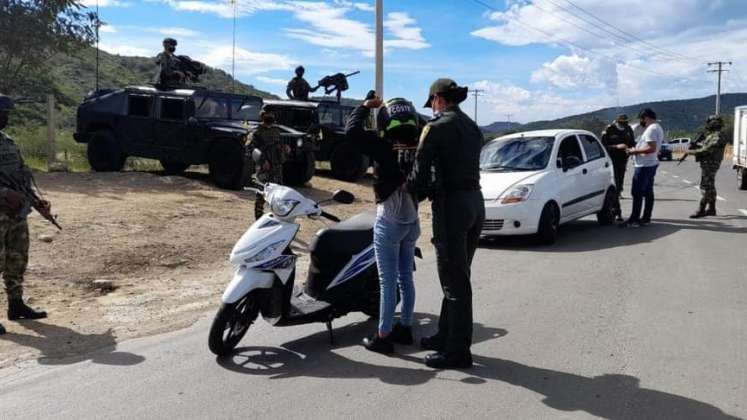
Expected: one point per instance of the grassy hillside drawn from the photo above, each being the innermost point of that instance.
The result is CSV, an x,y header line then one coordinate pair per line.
x,y
680,116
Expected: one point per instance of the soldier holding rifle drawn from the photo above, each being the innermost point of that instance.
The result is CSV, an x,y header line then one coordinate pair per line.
x,y
17,198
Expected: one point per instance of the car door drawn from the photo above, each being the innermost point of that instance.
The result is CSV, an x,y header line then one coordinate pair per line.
x,y
171,127
135,131
570,193
596,172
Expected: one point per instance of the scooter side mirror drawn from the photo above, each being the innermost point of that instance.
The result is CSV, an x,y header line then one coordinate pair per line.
x,y
343,197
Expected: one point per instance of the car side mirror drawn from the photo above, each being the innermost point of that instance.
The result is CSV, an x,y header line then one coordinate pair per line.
x,y
570,162
257,156
343,197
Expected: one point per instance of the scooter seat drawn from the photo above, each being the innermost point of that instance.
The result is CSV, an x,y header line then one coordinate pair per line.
x,y
346,238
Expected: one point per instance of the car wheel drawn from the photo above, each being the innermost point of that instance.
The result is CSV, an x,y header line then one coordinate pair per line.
x,y
347,163
742,178
174,168
104,152
606,216
547,233
227,164
299,172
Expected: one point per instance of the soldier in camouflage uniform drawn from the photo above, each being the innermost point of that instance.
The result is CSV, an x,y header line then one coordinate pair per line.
x,y
266,138
710,155
298,88
14,231
169,74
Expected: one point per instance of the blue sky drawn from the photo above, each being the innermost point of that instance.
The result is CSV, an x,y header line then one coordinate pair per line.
x,y
535,59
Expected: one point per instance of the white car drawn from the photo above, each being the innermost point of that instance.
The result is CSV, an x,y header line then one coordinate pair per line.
x,y
679,145
535,181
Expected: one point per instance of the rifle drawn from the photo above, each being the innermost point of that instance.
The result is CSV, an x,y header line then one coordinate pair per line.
x,y
694,145
30,193
336,82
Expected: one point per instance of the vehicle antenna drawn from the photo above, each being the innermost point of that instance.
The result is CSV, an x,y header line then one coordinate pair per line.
x,y
233,52
98,24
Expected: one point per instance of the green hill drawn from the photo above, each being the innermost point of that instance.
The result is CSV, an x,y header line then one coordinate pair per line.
x,y
683,116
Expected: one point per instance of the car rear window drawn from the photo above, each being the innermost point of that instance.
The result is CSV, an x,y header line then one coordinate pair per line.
x,y
592,147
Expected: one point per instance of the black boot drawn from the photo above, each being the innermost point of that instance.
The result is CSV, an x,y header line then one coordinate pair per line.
x,y
401,334
449,360
434,343
2,329
378,344
711,210
19,310
701,212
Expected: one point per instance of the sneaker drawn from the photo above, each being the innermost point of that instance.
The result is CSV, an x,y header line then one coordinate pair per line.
x,y
379,344
401,334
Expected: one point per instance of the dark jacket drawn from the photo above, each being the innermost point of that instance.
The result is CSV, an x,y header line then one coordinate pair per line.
x,y
612,136
449,151
392,161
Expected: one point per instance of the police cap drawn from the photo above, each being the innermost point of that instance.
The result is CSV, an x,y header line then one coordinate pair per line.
x,y
6,104
449,87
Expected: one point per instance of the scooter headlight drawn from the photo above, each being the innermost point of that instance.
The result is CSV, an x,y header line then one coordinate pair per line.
x,y
299,143
283,208
265,253
517,194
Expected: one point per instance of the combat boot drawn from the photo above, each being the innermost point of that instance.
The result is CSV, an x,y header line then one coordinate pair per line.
x,y
711,211
19,310
2,329
701,212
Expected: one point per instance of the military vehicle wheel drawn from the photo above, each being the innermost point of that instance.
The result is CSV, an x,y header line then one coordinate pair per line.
x,y
227,164
173,168
299,172
347,163
104,153
742,178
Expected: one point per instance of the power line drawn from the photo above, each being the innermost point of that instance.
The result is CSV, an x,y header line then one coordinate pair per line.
x,y
630,35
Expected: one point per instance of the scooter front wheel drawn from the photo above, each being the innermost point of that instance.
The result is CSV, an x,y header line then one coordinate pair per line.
x,y
231,323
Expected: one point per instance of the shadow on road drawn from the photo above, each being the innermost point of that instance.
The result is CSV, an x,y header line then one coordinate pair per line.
x,y
587,235
79,347
609,396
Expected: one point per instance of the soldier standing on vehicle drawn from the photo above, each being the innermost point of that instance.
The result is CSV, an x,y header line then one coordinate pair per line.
x,y
298,88
14,231
448,172
710,155
169,71
266,139
617,137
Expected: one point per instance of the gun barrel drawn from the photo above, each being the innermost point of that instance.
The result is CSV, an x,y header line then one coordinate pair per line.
x,y
353,73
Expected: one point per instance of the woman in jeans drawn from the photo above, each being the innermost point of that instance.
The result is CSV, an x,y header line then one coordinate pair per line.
x,y
397,226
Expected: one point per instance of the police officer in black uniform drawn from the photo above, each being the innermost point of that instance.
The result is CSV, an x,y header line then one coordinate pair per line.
x,y
448,172
617,138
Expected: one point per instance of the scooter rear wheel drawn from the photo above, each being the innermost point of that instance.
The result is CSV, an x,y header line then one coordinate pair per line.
x,y
231,323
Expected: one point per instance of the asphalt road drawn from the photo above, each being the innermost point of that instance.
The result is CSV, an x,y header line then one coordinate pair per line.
x,y
642,323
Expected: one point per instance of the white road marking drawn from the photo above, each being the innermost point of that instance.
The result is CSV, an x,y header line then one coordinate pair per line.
x,y
686,181
664,172
719,198
743,211
675,176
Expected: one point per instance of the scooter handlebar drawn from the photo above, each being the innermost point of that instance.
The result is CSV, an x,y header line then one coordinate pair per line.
x,y
330,216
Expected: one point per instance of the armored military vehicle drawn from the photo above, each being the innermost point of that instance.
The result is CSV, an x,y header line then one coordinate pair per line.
x,y
182,127
325,121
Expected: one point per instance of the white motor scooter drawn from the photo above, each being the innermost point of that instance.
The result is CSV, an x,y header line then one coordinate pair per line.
x,y
342,275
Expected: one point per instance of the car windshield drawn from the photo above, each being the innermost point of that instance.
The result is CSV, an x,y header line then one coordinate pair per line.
x,y
517,154
246,109
301,119
211,108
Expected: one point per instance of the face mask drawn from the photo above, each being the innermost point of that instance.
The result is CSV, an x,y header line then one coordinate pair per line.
x,y
643,123
268,121
171,48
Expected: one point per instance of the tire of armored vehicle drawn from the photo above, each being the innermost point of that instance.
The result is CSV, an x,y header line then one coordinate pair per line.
x,y
227,164
104,152
299,172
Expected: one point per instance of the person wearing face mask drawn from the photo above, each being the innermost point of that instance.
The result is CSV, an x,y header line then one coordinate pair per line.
x,y
266,139
169,69
618,137
709,155
447,171
646,161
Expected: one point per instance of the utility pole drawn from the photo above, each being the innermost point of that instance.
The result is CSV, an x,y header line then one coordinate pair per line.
x,y
380,48
719,70
476,93
508,121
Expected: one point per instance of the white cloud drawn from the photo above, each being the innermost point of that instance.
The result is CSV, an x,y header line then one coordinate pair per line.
x,y
406,33
272,81
224,8
126,49
106,28
247,62
177,32
573,72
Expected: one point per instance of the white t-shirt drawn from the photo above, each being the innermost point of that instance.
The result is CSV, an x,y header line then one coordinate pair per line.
x,y
653,133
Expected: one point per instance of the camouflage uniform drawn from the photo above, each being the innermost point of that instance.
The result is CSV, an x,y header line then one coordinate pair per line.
x,y
298,89
169,74
268,141
14,230
710,155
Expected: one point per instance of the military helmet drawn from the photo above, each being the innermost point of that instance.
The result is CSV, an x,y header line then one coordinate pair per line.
x,y
714,122
398,115
169,41
6,104
300,70
622,118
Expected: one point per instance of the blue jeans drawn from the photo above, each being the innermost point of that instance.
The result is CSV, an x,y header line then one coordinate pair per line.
x,y
394,244
643,189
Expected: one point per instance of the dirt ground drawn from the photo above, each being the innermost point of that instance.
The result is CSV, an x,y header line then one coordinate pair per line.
x,y
162,240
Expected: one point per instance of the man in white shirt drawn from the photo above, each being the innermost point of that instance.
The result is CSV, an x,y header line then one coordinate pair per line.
x,y
646,161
